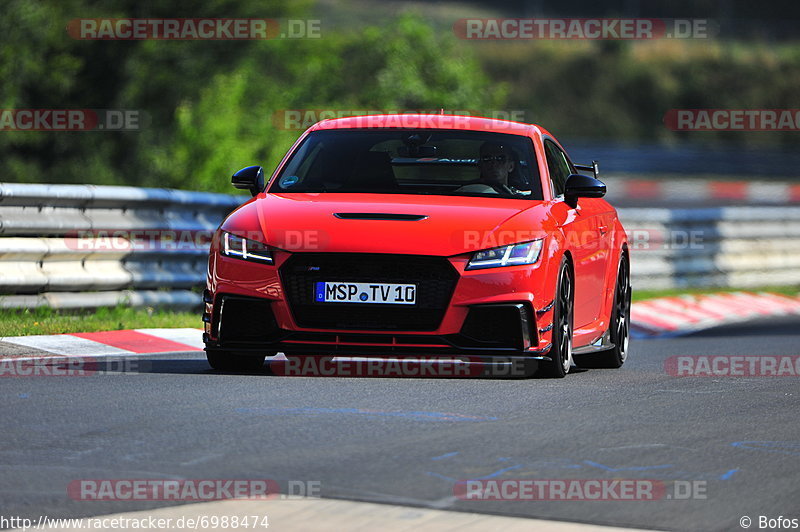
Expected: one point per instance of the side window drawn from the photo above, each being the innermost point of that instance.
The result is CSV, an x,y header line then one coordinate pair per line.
x,y
557,166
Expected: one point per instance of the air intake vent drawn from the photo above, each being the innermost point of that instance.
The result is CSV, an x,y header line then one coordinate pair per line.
x,y
246,319
379,216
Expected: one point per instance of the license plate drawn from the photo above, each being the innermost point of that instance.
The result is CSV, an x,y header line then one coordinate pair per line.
x,y
385,293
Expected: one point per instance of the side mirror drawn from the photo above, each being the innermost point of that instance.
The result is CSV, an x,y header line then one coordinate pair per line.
x,y
582,186
250,178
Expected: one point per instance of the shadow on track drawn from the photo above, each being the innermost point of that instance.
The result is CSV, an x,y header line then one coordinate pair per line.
x,y
407,370
779,326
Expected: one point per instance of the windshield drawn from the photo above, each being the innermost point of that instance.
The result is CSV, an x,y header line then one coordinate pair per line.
x,y
442,162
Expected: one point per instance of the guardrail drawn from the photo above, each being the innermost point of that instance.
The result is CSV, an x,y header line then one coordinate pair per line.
x,y
698,191
737,247
69,246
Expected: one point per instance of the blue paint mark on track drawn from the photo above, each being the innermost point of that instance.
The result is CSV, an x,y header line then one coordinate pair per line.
x,y
447,455
791,448
613,469
729,474
485,477
498,472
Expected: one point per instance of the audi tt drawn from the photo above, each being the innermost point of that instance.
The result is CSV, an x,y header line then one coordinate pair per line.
x,y
421,235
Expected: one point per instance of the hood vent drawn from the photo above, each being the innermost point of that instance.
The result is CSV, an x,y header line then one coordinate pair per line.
x,y
379,216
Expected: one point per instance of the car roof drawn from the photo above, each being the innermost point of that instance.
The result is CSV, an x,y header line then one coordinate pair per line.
x,y
428,121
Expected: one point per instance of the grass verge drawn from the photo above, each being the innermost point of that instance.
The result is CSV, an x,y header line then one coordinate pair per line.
x,y
641,295
49,321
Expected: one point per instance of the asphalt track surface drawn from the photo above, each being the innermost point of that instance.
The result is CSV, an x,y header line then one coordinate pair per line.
x,y
406,441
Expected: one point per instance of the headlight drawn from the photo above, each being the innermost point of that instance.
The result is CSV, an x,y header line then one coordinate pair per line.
x,y
246,249
513,255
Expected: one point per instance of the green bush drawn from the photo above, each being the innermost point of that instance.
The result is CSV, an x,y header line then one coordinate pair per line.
x,y
622,90
210,106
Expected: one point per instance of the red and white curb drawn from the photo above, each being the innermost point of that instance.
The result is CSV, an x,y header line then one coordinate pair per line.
x,y
667,316
704,190
673,316
111,343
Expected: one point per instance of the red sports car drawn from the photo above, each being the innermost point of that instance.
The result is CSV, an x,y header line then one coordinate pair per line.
x,y
421,235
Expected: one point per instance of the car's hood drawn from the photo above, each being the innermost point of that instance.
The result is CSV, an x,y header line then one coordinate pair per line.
x,y
446,226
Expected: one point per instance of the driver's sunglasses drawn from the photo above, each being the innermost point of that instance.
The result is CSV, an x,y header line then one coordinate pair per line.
x,y
490,158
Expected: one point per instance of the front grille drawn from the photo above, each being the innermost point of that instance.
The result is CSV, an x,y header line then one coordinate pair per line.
x,y
435,278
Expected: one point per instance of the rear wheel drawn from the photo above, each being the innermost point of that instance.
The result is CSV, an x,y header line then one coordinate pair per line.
x,y
620,333
621,321
620,324
230,361
561,349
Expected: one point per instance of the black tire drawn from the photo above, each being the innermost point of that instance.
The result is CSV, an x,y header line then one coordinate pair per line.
x,y
228,361
561,349
620,324
621,321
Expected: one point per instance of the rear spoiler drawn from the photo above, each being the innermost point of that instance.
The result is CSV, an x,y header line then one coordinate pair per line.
x,y
594,167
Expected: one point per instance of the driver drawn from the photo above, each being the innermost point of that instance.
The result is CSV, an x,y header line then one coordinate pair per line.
x,y
495,162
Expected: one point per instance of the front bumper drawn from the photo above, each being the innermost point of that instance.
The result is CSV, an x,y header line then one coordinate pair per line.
x,y
253,308
346,347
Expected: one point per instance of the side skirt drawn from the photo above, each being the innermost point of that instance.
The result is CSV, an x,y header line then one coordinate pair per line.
x,y
602,344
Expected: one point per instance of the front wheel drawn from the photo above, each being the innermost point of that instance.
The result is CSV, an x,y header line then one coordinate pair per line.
x,y
229,361
561,349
